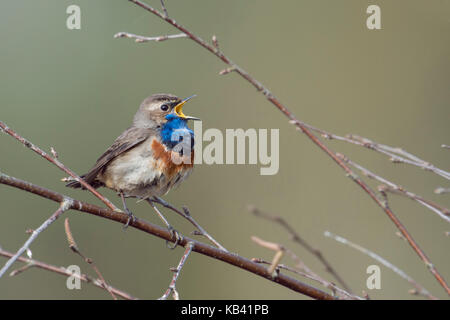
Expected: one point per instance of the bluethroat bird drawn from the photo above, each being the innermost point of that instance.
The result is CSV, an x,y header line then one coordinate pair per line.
x,y
149,158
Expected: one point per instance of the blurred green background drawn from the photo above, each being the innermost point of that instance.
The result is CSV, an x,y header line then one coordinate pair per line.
x,y
77,90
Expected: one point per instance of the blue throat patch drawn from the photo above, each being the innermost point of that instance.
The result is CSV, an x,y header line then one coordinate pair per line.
x,y
175,130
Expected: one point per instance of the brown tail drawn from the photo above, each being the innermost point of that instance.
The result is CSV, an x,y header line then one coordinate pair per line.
x,y
75,184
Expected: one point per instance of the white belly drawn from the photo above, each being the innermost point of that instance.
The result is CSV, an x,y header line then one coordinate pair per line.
x,y
132,170
136,173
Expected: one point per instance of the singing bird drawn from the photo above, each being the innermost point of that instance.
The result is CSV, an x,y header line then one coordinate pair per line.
x,y
149,158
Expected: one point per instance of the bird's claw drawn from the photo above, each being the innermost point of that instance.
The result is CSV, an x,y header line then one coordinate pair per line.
x,y
175,234
131,218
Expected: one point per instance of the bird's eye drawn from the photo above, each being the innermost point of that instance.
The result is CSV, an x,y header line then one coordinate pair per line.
x,y
164,107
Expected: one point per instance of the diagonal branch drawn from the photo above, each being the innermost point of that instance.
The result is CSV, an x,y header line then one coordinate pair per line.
x,y
163,6
176,273
419,288
56,162
73,246
65,204
396,189
396,155
296,238
301,268
187,215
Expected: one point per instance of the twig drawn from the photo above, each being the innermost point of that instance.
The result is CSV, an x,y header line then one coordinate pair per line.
x,y
73,246
215,41
54,153
420,289
21,269
175,233
226,71
396,155
278,247
399,155
62,271
296,238
187,215
141,39
336,290
166,14
279,252
396,189
57,163
442,190
163,233
176,273
440,211
302,269
307,130
65,204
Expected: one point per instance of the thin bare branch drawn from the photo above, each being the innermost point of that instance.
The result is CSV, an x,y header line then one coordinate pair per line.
x,y
142,39
73,246
226,71
442,190
57,163
163,6
176,273
29,263
65,204
21,269
420,289
279,252
187,215
54,153
302,242
396,189
215,41
336,290
301,267
395,154
439,210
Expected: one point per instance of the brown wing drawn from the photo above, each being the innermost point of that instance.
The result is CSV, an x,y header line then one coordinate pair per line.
x,y
127,140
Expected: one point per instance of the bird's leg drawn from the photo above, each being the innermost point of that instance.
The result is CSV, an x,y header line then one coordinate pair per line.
x,y
175,234
131,217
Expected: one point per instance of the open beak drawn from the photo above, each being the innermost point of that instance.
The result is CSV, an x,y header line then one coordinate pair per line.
x,y
179,109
